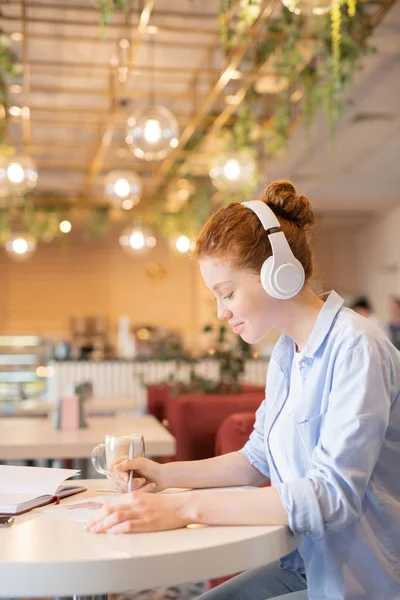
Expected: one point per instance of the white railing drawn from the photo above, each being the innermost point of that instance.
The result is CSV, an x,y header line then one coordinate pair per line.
x,y
129,378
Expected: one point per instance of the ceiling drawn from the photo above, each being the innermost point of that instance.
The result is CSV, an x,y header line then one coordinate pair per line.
x,y
79,101
361,174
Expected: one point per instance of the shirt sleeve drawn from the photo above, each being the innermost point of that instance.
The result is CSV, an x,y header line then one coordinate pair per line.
x,y
352,433
254,449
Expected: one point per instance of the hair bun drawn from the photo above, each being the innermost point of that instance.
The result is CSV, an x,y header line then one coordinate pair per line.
x,y
283,199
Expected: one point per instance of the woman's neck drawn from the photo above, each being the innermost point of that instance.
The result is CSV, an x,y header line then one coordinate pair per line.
x,y
299,315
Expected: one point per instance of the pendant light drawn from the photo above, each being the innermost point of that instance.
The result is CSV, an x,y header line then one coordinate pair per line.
x,y
153,131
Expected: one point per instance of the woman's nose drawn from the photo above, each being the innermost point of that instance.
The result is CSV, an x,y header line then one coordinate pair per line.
x,y
223,313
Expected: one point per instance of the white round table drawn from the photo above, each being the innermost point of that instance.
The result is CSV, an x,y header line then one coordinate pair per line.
x,y
24,438
99,405
41,555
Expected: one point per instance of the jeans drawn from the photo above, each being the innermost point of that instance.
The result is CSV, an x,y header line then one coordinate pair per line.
x,y
269,581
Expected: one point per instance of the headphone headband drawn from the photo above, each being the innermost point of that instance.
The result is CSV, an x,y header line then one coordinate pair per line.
x,y
267,217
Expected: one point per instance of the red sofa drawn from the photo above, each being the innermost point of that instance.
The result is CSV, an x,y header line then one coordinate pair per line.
x,y
194,419
234,432
157,398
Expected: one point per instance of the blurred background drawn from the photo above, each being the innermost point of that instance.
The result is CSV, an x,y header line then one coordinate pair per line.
x,y
125,124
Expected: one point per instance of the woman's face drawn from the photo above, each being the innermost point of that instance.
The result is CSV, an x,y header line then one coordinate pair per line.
x,y
241,300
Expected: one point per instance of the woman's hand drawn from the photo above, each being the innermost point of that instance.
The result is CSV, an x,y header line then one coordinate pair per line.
x,y
141,512
148,476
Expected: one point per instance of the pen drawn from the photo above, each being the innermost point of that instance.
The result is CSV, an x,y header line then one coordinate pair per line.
x,y
131,455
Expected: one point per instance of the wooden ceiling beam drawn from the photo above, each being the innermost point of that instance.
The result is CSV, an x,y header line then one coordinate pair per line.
x,y
92,9
60,120
119,95
72,23
76,165
88,112
97,39
57,64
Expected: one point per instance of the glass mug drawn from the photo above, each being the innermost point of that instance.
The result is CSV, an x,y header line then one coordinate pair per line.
x,y
115,447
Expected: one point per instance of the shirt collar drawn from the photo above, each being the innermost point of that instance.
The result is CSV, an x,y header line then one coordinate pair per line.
x,y
285,346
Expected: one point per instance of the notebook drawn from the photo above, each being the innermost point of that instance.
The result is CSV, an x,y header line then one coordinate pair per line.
x,y
25,488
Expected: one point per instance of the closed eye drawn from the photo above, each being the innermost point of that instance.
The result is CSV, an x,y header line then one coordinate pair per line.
x,y
229,296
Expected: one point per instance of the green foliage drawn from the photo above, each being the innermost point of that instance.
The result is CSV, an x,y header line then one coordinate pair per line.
x,y
97,223
300,53
336,52
107,7
9,68
234,30
4,224
42,221
231,358
186,221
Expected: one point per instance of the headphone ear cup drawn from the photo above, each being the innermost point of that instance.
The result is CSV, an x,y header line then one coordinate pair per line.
x,y
283,282
266,276
288,279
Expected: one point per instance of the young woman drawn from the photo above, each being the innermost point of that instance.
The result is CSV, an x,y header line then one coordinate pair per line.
x,y
327,435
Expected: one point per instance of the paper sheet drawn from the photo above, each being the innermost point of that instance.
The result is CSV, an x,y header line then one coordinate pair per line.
x,y
35,481
80,510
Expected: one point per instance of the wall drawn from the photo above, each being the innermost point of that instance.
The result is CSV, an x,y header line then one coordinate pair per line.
x,y
336,257
97,277
88,278
378,250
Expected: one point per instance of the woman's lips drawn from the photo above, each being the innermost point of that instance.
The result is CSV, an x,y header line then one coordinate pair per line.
x,y
237,328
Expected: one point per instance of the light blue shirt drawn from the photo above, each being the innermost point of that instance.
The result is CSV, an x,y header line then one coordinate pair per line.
x,y
343,445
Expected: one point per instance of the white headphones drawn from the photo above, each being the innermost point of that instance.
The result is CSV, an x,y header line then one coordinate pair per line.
x,y
282,275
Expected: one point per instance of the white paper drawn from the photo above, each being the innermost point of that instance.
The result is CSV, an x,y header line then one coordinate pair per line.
x,y
34,481
81,510
8,500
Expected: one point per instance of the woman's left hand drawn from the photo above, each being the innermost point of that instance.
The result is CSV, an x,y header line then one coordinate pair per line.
x,y
140,512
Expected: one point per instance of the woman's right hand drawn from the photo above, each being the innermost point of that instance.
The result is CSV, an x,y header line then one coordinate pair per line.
x,y
148,475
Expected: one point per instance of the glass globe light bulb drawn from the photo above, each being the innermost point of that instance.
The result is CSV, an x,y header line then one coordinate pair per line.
x,y
65,226
183,244
134,239
20,246
152,133
234,171
17,175
122,188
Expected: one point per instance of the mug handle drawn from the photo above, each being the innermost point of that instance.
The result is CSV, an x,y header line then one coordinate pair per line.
x,y
98,457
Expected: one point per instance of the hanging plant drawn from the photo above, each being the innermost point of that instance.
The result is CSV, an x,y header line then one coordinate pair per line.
x,y
235,19
189,219
9,68
42,222
97,223
320,80
107,8
4,224
351,7
336,18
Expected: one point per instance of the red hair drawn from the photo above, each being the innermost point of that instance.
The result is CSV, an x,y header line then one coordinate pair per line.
x,y
234,233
